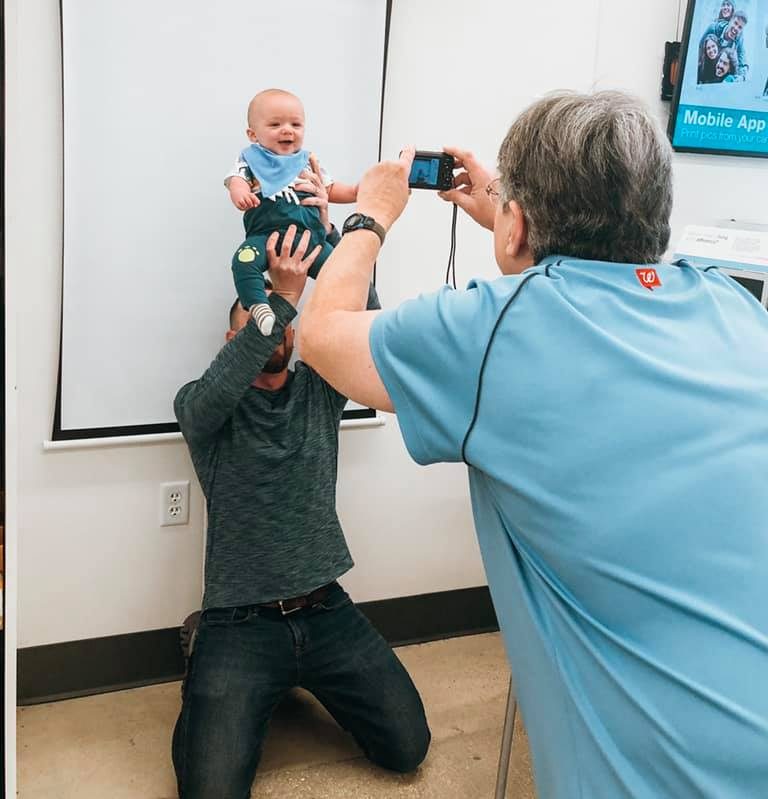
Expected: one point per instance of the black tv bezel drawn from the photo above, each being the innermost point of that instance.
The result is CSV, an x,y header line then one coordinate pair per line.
x,y
674,108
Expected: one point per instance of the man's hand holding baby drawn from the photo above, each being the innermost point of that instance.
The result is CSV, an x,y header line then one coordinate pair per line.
x,y
288,267
312,182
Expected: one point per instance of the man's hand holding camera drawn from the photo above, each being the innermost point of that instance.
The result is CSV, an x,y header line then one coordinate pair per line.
x,y
383,191
470,188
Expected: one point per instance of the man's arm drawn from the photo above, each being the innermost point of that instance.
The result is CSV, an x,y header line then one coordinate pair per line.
x,y
373,304
335,330
418,357
335,327
743,67
205,405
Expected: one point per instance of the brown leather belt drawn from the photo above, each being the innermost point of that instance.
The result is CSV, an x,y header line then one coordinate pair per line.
x,y
286,606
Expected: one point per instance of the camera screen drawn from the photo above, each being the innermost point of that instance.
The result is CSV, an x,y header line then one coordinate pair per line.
x,y
425,170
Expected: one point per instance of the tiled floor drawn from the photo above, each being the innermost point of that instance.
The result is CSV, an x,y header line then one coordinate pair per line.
x,y
118,745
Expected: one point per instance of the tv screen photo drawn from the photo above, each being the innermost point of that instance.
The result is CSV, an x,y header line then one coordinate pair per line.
x,y
721,99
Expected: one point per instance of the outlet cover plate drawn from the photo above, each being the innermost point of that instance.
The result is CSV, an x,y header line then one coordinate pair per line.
x,y
174,503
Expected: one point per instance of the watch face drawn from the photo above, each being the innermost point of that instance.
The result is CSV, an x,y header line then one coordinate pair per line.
x,y
362,222
352,222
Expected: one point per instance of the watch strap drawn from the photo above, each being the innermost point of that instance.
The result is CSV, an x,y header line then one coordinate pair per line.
x,y
363,222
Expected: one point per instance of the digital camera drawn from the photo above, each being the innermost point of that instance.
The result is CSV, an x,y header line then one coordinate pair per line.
x,y
431,170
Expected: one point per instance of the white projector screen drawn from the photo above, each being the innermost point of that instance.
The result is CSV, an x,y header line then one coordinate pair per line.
x,y
155,98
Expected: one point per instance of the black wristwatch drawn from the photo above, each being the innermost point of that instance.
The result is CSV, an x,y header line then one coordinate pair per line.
x,y
363,222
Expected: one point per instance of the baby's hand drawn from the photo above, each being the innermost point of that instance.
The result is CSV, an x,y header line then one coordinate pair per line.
x,y
241,195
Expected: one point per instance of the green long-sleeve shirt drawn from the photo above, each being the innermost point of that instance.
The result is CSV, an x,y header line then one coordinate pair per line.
x,y
266,461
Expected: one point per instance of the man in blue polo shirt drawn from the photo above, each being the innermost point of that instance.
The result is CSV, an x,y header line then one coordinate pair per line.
x,y
613,414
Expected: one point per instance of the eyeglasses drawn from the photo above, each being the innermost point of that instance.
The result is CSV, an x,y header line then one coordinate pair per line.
x,y
492,190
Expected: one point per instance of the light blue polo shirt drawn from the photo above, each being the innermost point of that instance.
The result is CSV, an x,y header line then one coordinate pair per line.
x,y
615,426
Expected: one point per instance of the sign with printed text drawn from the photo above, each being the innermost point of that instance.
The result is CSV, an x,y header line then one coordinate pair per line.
x,y
724,246
721,105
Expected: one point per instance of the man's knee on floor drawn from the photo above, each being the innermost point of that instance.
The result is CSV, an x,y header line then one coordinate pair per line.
x,y
407,755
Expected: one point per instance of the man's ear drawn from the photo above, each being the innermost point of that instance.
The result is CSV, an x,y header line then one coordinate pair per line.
x,y
517,237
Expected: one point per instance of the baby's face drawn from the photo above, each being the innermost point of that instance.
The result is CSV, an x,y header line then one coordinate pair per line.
x,y
278,124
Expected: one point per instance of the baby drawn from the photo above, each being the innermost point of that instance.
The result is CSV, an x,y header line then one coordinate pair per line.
x,y
275,184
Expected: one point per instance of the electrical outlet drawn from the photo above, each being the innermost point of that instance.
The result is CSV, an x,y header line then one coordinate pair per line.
x,y
174,503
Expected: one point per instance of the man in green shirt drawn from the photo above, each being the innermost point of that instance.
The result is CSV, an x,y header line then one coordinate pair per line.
x,y
264,442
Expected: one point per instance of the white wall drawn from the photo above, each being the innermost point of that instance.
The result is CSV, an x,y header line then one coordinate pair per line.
x,y
91,559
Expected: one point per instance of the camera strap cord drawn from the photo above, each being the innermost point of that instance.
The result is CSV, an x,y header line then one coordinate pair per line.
x,y
450,272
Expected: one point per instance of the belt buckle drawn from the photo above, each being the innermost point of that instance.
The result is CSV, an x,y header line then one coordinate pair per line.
x,y
289,611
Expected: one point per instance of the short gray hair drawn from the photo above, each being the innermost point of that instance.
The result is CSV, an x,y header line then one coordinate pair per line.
x,y
593,177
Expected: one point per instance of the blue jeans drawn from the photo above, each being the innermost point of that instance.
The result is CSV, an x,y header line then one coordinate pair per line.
x,y
244,662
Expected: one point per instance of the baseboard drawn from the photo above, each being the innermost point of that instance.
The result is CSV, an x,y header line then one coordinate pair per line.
x,y
97,665
116,662
430,617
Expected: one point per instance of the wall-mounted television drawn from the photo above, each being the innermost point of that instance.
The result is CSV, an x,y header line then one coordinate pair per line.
x,y
720,103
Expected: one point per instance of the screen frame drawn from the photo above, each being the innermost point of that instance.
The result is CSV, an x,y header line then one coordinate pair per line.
x,y
758,277
674,108
60,433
